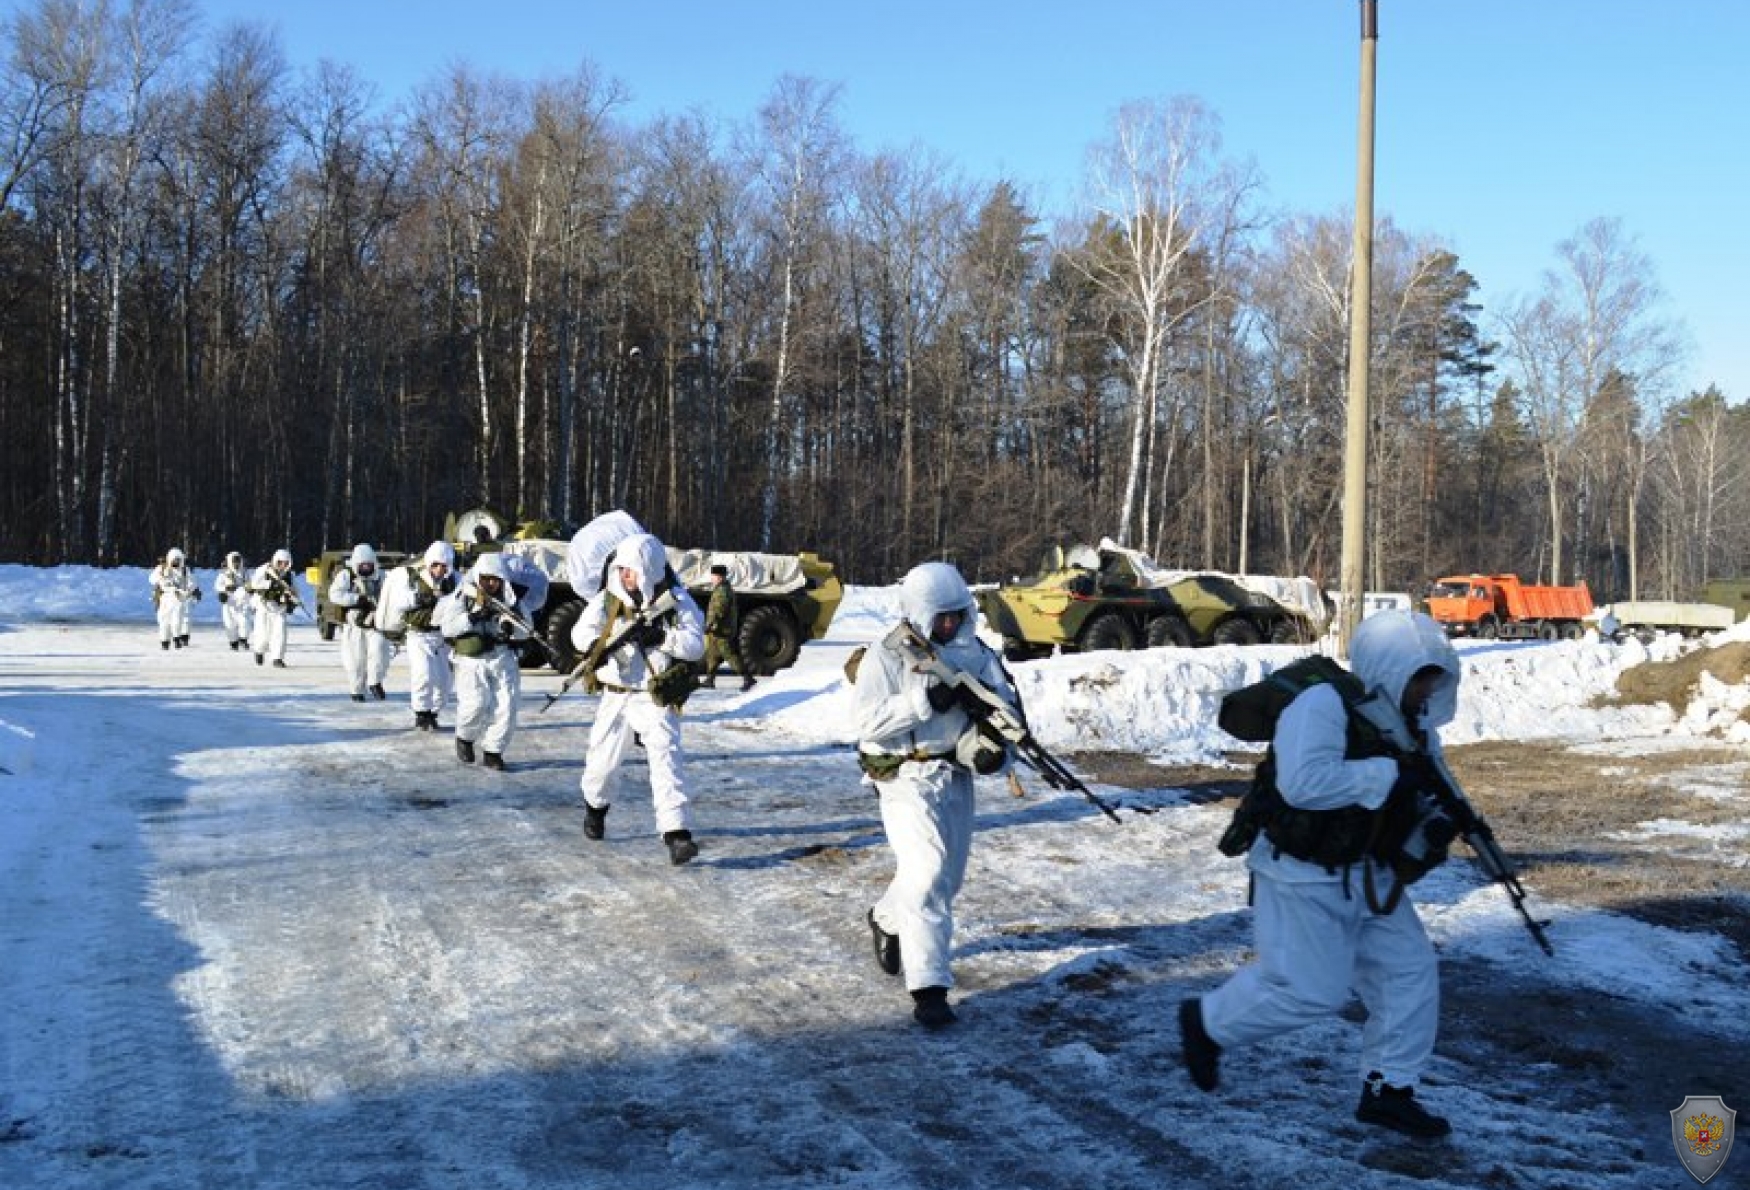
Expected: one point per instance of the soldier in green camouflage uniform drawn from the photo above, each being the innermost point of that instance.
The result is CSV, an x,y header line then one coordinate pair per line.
x,y
722,623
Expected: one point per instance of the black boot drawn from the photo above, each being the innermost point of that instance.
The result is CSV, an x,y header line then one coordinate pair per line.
x,y
358,698
165,645
259,659
930,1008
709,683
1396,1108
278,664
886,946
1202,1055
681,847
182,642
378,692
465,751
492,760
595,821
746,685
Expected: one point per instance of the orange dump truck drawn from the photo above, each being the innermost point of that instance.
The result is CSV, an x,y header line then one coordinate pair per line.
x,y
1500,606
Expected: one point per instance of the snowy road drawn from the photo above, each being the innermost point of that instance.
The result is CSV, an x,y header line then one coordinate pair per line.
x,y
260,936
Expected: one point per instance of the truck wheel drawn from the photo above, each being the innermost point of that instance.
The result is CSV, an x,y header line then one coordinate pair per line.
x,y
1573,630
1289,631
1547,630
1489,628
1236,631
1109,631
559,626
1169,631
770,639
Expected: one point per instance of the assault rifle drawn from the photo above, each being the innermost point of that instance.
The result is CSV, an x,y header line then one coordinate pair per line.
x,y
506,612
993,715
1451,802
1481,840
291,591
655,610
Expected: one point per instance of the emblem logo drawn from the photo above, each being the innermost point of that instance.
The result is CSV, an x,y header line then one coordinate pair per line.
x,y
1701,1128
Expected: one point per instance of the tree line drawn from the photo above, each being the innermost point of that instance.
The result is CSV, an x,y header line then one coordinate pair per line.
x,y
245,307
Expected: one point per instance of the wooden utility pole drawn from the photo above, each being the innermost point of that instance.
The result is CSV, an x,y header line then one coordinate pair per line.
x,y
1360,333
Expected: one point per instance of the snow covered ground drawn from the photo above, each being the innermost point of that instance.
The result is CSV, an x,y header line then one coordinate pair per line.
x,y
257,935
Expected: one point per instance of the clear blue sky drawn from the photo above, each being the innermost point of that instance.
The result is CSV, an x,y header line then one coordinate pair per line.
x,y
1503,125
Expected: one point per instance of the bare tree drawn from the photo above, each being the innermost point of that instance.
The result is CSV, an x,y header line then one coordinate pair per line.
x,y
462,127
1157,184
149,37
1596,313
797,156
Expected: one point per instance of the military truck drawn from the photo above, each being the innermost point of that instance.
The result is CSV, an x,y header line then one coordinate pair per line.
x,y
784,600
320,573
1647,618
1733,593
1109,597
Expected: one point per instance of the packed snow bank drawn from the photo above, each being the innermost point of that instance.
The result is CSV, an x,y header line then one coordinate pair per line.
x,y
1157,702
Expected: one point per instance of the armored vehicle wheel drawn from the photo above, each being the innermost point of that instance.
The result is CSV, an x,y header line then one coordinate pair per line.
x,y
1236,631
1169,631
1109,631
770,640
558,633
1288,631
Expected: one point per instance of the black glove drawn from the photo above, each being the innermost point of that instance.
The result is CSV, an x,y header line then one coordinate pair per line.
x,y
1416,776
1440,831
648,635
943,697
507,627
424,599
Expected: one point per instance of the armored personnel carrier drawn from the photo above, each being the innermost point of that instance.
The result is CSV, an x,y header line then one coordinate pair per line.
x,y
1109,597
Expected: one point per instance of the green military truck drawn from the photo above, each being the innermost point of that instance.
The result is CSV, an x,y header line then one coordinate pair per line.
x,y
320,573
784,600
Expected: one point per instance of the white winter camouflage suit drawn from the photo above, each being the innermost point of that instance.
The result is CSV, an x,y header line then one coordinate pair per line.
x,y
488,684
430,678
364,652
233,599
627,707
1316,937
268,637
173,584
927,807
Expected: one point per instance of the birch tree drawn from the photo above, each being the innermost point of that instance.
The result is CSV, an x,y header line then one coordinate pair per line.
x,y
1156,183
797,156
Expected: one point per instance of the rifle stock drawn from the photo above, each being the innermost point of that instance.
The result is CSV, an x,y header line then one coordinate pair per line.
x,y
995,715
